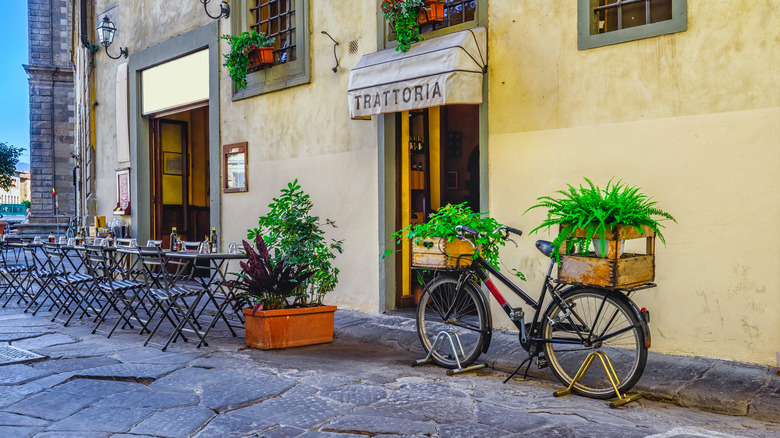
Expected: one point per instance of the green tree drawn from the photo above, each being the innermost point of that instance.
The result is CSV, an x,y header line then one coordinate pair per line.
x,y
9,156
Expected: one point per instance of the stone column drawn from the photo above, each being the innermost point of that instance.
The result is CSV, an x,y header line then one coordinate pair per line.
x,y
52,97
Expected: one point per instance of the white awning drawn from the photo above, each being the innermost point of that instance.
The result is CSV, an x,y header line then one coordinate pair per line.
x,y
439,71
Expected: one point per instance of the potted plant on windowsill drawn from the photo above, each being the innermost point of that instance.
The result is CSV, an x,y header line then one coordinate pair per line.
x,y
248,52
433,10
402,15
604,218
282,285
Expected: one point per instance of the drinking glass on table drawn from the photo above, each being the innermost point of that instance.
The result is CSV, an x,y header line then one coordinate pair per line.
x,y
203,248
37,239
71,241
63,240
133,243
232,248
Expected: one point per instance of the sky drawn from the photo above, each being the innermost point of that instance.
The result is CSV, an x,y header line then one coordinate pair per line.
x,y
14,91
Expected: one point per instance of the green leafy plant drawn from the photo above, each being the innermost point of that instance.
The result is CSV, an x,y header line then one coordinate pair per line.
x,y
237,60
296,238
9,157
264,283
595,210
402,16
442,224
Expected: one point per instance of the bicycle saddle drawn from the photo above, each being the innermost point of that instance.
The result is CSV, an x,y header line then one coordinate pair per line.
x,y
545,247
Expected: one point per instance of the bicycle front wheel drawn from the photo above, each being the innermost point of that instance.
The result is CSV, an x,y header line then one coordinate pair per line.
x,y
456,317
594,320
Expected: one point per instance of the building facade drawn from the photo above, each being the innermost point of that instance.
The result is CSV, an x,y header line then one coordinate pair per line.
x,y
504,101
50,76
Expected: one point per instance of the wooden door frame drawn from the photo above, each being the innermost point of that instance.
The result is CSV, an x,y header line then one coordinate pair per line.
x,y
155,153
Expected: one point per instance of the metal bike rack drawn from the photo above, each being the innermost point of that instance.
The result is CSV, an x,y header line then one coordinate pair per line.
x,y
439,342
611,374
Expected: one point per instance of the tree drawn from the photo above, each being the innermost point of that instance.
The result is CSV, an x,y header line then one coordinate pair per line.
x,y
9,156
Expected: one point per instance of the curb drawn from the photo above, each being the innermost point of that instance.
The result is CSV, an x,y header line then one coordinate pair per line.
x,y
724,387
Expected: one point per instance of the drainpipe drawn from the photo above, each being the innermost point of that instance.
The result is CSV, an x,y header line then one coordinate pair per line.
x,y
83,27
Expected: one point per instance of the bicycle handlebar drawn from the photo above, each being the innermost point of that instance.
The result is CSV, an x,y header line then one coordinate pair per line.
x,y
460,230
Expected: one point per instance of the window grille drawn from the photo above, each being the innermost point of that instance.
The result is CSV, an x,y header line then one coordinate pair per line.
x,y
276,19
623,14
455,12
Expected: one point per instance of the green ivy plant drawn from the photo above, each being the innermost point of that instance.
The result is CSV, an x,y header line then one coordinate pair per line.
x,y
237,60
595,210
296,238
443,222
402,16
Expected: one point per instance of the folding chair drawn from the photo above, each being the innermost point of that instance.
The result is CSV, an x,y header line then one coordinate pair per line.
x,y
170,287
41,275
119,294
70,282
13,275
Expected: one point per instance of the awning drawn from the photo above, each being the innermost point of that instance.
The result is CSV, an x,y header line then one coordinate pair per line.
x,y
439,71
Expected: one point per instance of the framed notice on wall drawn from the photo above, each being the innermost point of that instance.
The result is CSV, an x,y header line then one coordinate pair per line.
x,y
122,192
235,174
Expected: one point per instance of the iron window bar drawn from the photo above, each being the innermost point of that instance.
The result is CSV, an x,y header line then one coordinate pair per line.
x,y
619,5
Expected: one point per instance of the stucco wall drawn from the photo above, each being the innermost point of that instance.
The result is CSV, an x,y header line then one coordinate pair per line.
x,y
305,132
302,132
693,118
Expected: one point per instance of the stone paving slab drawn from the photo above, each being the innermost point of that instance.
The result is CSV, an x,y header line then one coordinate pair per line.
x,y
175,422
743,384
20,373
374,425
102,419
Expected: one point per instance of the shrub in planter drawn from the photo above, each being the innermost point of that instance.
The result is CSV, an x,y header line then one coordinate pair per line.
x,y
597,210
241,48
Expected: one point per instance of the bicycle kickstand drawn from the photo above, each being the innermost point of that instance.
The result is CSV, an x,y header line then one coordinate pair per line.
x,y
437,343
528,361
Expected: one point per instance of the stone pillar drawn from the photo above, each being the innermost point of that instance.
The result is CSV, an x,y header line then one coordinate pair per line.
x,y
52,97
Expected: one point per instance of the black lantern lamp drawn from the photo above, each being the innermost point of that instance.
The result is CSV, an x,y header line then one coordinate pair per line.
x,y
224,9
105,32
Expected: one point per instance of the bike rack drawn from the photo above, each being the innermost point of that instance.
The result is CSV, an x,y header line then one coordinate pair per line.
x,y
611,374
438,342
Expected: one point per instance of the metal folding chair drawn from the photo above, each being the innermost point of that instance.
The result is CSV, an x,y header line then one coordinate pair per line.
x,y
120,295
13,274
71,282
174,296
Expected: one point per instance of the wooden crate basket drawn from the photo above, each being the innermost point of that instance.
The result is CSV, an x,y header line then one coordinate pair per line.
x,y
437,253
615,271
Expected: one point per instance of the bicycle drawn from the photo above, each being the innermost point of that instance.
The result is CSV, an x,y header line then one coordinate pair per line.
x,y
578,321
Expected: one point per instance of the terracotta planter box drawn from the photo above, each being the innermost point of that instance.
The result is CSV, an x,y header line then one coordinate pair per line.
x,y
434,11
259,57
269,329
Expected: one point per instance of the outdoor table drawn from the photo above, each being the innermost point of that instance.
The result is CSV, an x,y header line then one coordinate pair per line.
x,y
212,282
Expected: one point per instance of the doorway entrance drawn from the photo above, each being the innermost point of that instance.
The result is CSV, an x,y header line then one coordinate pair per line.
x,y
437,163
179,166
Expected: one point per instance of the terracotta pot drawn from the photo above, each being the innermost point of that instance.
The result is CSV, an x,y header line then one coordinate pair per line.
x,y
260,56
269,329
434,11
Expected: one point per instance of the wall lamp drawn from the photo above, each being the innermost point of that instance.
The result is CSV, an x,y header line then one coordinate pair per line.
x,y
224,9
105,32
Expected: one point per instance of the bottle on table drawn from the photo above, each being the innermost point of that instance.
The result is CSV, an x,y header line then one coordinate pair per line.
x,y
52,239
213,240
174,239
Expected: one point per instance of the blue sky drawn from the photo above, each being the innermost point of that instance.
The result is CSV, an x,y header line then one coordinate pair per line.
x,y
14,99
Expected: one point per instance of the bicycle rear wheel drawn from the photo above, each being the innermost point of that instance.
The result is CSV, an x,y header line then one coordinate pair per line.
x,y
460,313
594,320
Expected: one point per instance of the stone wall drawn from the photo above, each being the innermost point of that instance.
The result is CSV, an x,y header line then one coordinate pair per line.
x,y
52,96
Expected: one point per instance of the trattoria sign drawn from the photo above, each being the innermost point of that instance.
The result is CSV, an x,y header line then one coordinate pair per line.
x,y
437,90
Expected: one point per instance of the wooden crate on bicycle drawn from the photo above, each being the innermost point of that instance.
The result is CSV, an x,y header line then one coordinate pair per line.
x,y
615,270
438,253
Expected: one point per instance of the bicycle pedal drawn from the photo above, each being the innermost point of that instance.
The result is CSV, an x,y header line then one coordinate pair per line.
x,y
541,362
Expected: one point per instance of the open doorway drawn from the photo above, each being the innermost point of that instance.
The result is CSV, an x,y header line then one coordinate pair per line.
x,y
437,163
179,166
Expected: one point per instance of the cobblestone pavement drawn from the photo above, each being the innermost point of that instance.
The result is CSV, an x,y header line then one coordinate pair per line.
x,y
90,386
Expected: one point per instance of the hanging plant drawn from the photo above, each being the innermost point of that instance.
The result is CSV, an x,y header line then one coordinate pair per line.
x,y
242,47
402,16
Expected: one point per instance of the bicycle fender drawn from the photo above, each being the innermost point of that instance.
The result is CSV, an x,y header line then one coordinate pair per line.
x,y
483,296
643,317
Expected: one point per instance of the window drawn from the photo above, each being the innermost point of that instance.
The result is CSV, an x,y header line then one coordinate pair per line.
x,y
458,15
287,22
455,12
276,19
605,22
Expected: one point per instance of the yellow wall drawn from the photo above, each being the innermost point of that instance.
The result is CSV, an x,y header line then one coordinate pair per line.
x,y
692,118
305,132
